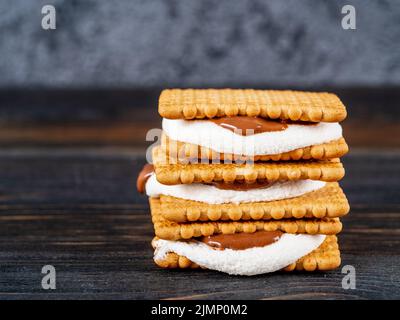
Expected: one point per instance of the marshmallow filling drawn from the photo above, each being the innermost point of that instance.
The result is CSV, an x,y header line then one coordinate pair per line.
x,y
213,195
210,135
252,261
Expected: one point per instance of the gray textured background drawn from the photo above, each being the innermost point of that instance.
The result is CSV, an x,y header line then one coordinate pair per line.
x,y
199,43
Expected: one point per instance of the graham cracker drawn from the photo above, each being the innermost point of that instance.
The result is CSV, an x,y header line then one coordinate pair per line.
x,y
273,104
185,152
329,201
325,257
169,172
170,230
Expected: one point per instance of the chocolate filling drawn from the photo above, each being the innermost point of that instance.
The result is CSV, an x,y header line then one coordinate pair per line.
x,y
246,126
143,176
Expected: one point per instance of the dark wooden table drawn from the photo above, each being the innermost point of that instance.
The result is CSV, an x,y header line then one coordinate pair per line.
x,y
77,209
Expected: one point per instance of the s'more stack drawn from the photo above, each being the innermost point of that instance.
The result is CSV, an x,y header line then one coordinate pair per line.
x,y
246,181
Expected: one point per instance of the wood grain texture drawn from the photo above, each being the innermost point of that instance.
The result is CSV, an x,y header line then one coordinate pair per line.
x,y
122,117
77,209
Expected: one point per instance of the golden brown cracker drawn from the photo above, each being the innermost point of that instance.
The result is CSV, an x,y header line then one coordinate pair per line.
x,y
328,201
273,104
187,152
169,172
325,257
170,230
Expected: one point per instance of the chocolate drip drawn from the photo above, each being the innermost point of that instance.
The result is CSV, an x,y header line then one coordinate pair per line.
x,y
143,176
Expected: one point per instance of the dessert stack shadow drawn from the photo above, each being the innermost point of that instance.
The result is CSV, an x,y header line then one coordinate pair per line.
x,y
246,181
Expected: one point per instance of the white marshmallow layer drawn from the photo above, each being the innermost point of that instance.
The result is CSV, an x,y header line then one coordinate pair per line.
x,y
210,135
213,195
276,256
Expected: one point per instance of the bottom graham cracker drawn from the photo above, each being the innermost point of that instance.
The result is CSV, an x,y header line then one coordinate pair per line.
x,y
325,257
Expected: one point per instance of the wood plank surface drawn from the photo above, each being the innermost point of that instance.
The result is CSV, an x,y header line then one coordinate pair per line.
x,y
77,209
122,117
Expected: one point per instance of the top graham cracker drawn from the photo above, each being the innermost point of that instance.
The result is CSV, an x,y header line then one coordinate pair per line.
x,y
273,104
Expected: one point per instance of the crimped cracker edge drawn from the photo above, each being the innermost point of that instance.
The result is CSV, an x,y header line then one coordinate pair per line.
x,y
329,201
273,104
169,230
174,173
185,152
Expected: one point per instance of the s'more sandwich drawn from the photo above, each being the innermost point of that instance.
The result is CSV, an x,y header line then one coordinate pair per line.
x,y
246,181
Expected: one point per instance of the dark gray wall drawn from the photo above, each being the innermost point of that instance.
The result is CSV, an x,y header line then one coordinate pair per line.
x,y
199,43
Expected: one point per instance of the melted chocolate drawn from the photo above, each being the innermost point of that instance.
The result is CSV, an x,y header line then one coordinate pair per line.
x,y
243,186
246,126
242,240
143,176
